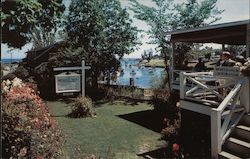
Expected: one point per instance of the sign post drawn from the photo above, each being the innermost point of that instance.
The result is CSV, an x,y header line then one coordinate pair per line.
x,y
70,78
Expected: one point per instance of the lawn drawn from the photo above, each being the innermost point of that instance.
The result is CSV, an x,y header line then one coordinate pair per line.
x,y
119,129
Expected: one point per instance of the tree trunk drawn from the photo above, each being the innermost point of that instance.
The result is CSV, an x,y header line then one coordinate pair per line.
x,y
94,81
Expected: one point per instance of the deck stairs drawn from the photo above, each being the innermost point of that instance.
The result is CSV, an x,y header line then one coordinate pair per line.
x,y
226,103
237,145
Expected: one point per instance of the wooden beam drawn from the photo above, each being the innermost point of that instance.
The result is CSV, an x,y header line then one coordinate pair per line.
x,y
217,26
207,38
172,65
223,47
248,41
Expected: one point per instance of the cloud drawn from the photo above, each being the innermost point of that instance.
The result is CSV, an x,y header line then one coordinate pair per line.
x,y
16,53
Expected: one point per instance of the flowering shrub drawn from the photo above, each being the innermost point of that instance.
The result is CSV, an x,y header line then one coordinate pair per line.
x,y
28,129
82,107
8,84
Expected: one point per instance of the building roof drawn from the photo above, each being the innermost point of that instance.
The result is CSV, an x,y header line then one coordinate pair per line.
x,y
233,33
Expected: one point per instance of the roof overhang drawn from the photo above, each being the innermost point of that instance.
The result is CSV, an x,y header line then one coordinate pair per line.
x,y
233,33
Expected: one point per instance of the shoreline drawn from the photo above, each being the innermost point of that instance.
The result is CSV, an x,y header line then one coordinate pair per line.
x,y
158,63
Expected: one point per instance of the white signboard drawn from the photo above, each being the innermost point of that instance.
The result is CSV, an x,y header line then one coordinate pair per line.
x,y
71,83
68,82
227,71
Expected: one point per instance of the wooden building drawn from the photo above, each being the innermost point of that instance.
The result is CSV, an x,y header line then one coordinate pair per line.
x,y
227,104
38,56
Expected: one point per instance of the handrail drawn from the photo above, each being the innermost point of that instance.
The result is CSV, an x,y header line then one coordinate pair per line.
x,y
227,108
231,95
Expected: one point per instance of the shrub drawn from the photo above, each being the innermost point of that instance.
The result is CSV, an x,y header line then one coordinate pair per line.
x,y
28,129
82,107
9,76
21,73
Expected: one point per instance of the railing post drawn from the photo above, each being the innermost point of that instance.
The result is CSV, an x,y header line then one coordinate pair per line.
x,y
182,85
215,133
245,95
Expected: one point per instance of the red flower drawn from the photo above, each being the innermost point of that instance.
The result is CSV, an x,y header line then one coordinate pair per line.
x,y
37,124
176,149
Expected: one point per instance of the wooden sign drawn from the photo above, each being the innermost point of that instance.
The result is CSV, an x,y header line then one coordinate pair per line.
x,y
226,71
82,68
68,82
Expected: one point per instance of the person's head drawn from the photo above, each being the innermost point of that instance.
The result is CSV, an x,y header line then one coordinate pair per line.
x,y
200,59
225,55
186,62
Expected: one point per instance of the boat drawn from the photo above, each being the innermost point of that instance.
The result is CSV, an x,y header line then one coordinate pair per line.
x,y
133,72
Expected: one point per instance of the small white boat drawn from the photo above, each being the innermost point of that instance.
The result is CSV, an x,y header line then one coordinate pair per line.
x,y
133,72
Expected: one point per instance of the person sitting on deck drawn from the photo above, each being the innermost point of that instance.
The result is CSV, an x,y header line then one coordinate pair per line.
x,y
239,61
200,66
225,59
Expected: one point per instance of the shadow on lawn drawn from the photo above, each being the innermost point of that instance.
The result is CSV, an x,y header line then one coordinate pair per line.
x,y
157,153
149,119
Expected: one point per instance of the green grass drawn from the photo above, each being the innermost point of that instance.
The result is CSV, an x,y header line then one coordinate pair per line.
x,y
107,132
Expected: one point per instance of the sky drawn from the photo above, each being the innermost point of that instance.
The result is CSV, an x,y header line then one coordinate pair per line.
x,y
234,10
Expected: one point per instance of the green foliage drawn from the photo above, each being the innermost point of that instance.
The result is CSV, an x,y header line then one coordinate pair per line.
x,y
102,29
82,107
236,50
9,76
21,73
208,55
195,14
20,17
167,16
147,55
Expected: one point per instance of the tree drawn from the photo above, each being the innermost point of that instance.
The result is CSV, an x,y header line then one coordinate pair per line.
x,y
20,17
147,55
166,16
236,50
103,30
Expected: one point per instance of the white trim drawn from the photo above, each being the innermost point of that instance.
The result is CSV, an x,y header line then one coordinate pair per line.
x,y
69,68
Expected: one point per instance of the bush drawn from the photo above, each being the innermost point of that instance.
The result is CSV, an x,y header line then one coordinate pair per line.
x,y
21,73
9,76
28,129
82,107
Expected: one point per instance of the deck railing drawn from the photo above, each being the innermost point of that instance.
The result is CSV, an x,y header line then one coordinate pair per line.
x,y
222,94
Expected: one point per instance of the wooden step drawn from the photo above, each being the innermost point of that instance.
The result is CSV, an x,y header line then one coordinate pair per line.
x,y
242,132
245,120
237,147
226,155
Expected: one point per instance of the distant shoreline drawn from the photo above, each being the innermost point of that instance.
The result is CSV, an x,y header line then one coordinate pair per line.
x,y
153,63
7,61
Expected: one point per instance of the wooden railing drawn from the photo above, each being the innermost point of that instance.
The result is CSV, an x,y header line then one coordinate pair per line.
x,y
222,94
175,78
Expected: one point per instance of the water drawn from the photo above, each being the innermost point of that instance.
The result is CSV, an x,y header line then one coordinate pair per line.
x,y
7,61
144,77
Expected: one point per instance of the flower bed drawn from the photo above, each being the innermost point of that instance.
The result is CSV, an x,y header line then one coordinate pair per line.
x,y
28,129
